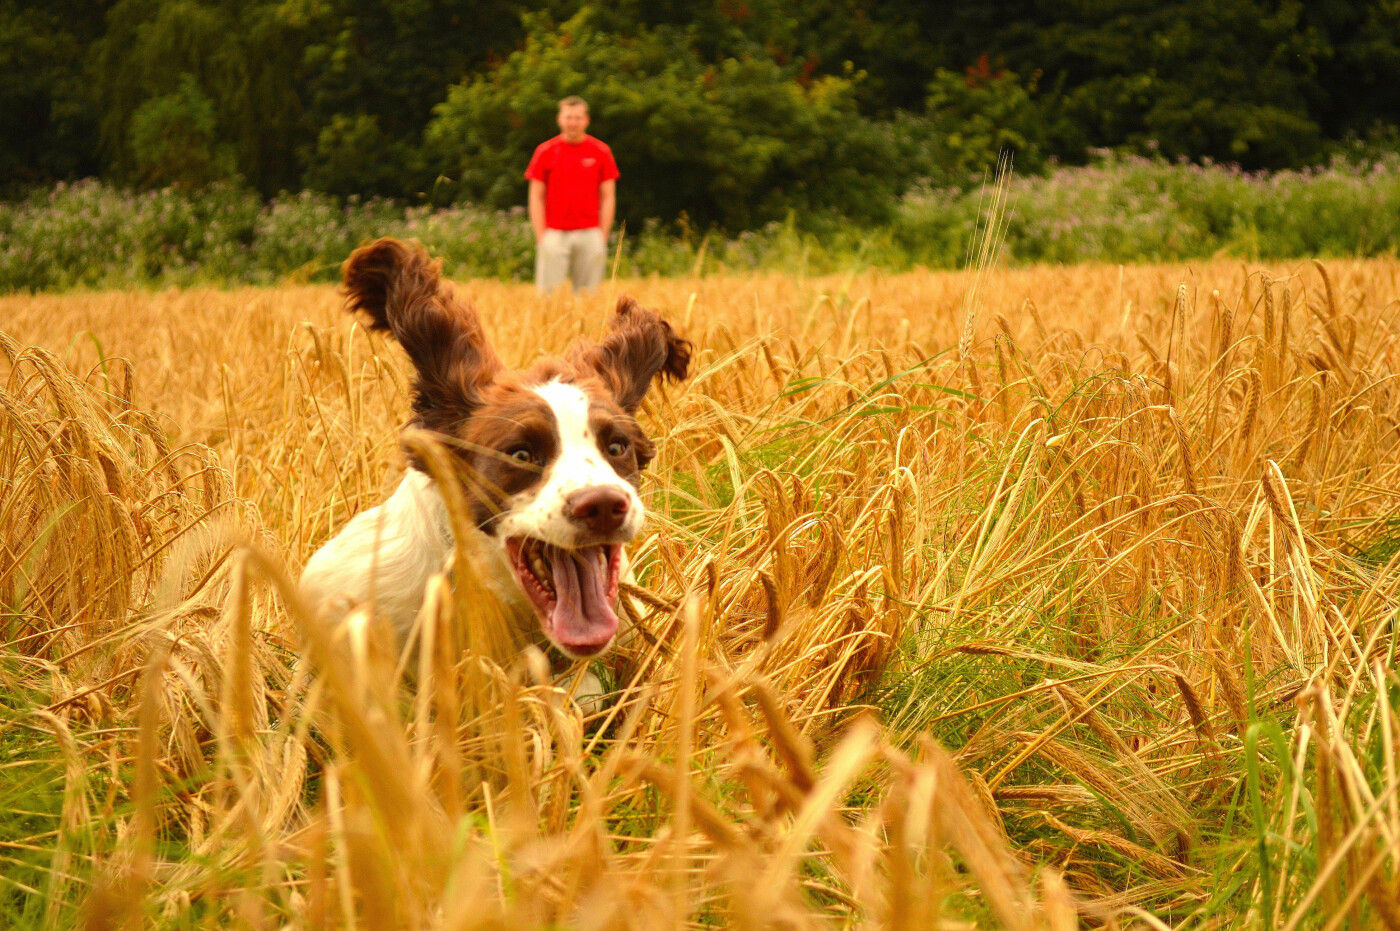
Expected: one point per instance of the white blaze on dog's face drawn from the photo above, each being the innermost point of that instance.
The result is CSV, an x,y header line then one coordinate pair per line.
x,y
552,456
585,490
563,535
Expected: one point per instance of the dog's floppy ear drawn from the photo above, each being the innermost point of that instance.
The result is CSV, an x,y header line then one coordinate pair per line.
x,y
639,346
399,287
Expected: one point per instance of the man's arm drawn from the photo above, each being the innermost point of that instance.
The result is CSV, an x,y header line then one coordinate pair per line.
x,y
537,208
607,205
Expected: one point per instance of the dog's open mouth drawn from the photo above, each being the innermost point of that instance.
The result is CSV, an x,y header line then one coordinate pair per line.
x,y
574,592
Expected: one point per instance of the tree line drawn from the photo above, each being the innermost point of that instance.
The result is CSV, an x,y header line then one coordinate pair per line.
x,y
727,113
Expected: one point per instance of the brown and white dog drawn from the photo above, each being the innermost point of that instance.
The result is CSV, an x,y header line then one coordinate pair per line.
x,y
554,454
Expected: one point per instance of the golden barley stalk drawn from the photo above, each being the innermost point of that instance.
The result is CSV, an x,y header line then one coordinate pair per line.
x,y
1268,356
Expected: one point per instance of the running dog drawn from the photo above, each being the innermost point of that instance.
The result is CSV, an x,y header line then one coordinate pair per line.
x,y
552,454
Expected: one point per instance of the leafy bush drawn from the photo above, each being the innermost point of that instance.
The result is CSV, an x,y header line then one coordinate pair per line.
x,y
91,235
1133,209
475,243
353,154
175,139
975,117
738,144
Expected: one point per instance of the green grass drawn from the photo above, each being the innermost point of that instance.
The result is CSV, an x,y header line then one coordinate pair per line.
x,y
32,781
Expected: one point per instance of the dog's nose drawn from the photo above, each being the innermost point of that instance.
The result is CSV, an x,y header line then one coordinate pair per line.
x,y
599,508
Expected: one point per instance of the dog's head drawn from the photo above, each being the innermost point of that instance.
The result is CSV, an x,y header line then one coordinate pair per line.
x,y
553,454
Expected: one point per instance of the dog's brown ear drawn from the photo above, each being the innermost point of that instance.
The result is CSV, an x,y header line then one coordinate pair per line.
x,y
400,288
639,346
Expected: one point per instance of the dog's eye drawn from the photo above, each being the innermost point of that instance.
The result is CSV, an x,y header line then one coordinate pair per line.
x,y
617,447
522,454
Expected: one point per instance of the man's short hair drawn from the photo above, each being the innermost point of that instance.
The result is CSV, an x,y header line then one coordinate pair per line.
x,y
574,101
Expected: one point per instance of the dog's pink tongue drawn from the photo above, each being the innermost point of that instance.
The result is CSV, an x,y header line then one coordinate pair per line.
x,y
582,618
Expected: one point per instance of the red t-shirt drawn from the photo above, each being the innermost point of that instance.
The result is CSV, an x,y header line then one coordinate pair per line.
x,y
571,173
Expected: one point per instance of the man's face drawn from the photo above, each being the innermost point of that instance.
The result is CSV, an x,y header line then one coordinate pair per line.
x,y
573,122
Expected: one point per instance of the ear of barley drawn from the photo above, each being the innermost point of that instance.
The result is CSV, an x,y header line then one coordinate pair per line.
x,y
1175,337
1224,331
993,231
1316,406
773,605
1147,346
799,495
829,552
983,793
1253,384
1156,863
1384,899
1230,563
1028,306
1188,459
1086,713
1268,355
1272,484
1327,289
10,347
1232,693
774,368
895,540
1004,325
1194,709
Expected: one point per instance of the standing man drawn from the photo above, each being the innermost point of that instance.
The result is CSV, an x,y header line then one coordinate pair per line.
x,y
573,196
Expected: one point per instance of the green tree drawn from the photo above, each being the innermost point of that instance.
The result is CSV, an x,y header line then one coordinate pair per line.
x,y
242,56
976,116
737,142
48,117
372,72
1228,79
1357,91
353,155
174,140
338,95
880,45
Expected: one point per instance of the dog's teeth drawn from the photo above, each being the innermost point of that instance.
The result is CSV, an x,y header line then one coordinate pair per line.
x,y
541,572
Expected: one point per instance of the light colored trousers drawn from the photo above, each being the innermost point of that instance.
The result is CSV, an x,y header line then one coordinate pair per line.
x,y
579,255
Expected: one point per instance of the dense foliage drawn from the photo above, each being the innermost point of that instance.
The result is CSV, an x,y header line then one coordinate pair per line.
x,y
737,144
91,235
731,112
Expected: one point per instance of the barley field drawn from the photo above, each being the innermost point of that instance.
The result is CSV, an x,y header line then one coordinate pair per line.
x,y
1033,599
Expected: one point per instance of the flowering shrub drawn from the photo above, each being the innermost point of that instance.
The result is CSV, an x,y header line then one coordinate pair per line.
x,y
93,235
